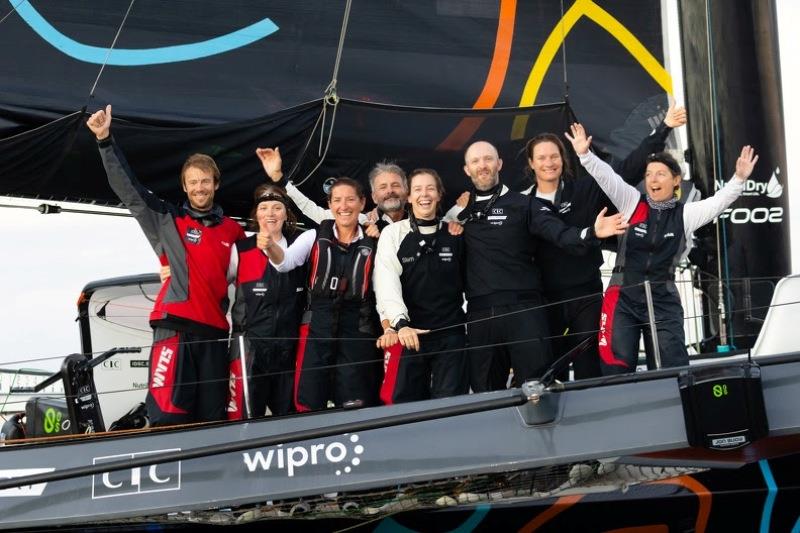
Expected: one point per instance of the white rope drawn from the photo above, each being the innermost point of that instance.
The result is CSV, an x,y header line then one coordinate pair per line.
x,y
13,10
110,48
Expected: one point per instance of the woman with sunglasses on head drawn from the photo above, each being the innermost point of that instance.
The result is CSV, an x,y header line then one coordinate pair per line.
x,y
659,227
340,346
574,289
267,311
419,287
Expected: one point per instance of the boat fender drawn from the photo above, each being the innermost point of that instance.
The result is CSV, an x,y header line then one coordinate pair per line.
x,y
136,418
13,429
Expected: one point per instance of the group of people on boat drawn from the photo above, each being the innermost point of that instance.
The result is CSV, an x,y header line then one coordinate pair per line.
x,y
317,308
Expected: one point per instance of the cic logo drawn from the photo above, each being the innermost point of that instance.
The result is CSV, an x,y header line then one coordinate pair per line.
x,y
138,480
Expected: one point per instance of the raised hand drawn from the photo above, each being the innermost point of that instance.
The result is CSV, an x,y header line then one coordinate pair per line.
x,y
372,231
579,141
271,161
676,116
100,123
264,240
463,199
607,226
372,216
746,162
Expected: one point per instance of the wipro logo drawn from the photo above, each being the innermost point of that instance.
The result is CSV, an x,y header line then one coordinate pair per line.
x,y
293,458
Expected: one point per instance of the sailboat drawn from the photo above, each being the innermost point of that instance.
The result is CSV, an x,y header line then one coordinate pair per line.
x,y
498,71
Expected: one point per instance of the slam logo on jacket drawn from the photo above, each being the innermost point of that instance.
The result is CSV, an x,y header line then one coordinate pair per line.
x,y
138,480
312,459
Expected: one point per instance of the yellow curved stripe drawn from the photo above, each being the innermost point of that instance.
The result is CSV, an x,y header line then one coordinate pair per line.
x,y
548,52
556,38
651,65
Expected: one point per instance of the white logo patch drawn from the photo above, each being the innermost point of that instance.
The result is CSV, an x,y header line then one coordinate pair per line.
x,y
25,490
138,480
294,458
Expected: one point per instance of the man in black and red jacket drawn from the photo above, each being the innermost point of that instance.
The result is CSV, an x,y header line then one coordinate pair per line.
x,y
188,379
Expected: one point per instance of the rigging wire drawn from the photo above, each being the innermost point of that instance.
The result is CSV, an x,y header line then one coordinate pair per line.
x,y
13,10
331,99
564,54
342,33
48,209
722,253
361,339
110,49
413,355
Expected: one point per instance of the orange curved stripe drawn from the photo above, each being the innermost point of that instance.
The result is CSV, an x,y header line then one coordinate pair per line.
x,y
559,506
501,57
703,494
494,79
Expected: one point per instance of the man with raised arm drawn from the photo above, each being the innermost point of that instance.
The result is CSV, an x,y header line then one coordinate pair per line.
x,y
387,182
507,325
188,379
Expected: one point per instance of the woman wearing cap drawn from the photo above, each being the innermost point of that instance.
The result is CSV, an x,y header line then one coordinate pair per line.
x,y
420,289
659,227
340,346
267,310
573,288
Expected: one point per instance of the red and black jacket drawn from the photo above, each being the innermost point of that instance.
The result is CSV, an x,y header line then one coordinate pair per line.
x,y
195,245
268,303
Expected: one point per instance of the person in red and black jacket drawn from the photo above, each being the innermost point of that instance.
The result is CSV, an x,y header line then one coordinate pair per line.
x,y
188,379
268,308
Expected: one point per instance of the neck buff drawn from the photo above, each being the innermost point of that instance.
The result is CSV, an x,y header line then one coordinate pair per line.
x,y
662,206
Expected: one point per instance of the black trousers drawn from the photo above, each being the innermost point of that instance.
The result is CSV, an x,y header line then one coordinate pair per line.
x,y
624,319
188,379
571,322
438,370
271,375
338,361
505,337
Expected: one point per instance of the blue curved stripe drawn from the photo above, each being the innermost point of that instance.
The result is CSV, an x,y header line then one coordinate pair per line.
x,y
796,528
144,56
389,525
772,493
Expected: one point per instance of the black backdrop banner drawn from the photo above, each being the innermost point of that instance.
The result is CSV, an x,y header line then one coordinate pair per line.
x,y
60,161
202,62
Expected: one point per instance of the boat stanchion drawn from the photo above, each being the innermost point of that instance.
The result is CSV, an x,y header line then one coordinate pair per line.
x,y
542,404
245,376
651,316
